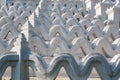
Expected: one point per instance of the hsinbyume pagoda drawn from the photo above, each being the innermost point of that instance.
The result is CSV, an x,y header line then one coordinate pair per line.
x,y
49,35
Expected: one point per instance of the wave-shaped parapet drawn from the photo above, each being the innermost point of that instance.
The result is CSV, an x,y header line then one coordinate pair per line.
x,y
71,29
13,15
108,70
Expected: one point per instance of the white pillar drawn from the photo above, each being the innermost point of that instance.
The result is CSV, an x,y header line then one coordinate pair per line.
x,y
116,10
21,71
104,5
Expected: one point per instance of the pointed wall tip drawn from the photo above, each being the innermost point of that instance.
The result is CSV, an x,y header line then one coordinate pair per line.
x,y
30,29
24,45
